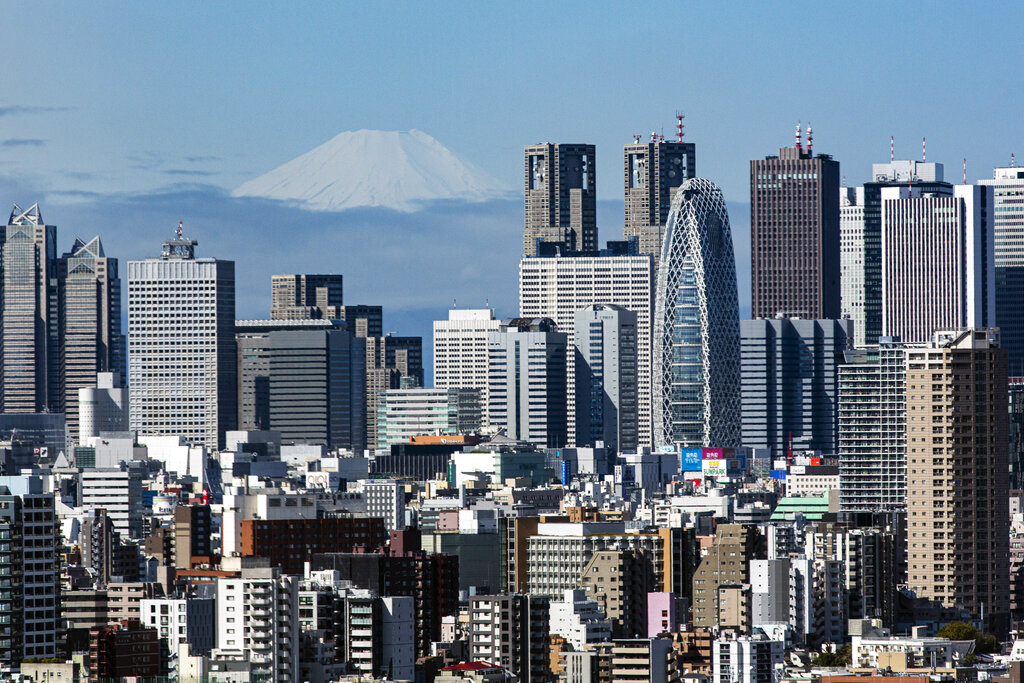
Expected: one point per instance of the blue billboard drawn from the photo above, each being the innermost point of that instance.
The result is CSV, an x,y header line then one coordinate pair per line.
x,y
690,459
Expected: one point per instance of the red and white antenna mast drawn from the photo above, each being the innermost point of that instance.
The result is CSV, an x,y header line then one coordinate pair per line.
x,y
679,126
924,152
798,143
810,137
1012,160
180,225
892,149
965,170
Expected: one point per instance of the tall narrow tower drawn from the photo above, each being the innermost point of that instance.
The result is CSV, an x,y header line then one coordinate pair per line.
x,y
92,339
957,485
653,171
696,334
31,314
560,197
794,234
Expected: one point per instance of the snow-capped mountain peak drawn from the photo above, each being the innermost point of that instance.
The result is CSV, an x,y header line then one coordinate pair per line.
x,y
401,170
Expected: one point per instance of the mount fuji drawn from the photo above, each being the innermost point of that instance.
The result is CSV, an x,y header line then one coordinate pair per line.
x,y
400,170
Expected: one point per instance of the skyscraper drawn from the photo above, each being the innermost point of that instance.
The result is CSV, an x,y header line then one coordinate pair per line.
x,y
653,172
606,377
860,226
252,338
696,332
790,372
305,296
92,339
560,196
526,381
938,268
559,286
460,350
794,234
957,495
390,360
1008,227
317,387
873,428
181,345
30,315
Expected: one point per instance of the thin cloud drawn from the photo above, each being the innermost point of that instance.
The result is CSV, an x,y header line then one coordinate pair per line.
x,y
15,109
201,159
186,171
22,142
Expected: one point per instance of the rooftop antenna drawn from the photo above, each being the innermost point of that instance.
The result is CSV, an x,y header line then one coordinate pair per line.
x,y
487,303
844,181
798,145
455,303
892,153
180,226
810,137
654,136
965,170
636,139
1012,160
679,126
924,152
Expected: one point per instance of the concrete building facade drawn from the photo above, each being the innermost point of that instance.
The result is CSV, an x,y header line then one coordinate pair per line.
x,y
957,494
790,376
526,381
181,343
938,265
653,171
606,377
794,234
560,192
560,287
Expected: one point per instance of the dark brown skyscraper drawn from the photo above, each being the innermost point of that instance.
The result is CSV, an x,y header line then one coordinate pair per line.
x,y
794,234
653,171
560,197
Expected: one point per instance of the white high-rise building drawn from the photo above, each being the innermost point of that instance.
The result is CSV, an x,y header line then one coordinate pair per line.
x,y
1008,227
559,287
852,259
579,620
385,498
181,620
606,377
747,659
256,620
102,408
181,345
526,391
119,492
460,350
872,418
938,267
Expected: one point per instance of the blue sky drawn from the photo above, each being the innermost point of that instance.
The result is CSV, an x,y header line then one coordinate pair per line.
x,y
124,118
134,96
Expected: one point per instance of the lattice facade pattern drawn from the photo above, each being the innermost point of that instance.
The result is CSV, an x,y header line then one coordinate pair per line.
x,y
697,329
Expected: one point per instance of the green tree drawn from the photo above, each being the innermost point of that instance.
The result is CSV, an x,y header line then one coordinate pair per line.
x,y
958,630
842,657
984,643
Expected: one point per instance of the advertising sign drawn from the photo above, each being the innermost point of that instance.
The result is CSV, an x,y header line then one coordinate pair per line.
x,y
715,468
690,459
